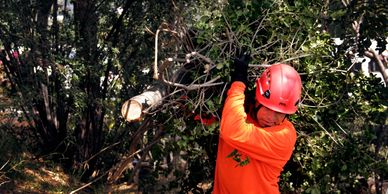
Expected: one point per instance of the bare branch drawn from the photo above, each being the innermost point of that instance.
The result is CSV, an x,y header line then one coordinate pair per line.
x,y
88,184
101,151
376,57
297,57
259,27
345,2
5,164
159,76
195,86
116,171
163,27
327,132
259,65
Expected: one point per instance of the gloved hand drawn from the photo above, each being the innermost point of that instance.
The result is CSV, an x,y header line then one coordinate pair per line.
x,y
249,102
240,65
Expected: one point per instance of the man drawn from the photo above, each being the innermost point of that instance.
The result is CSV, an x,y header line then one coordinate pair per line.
x,y
253,148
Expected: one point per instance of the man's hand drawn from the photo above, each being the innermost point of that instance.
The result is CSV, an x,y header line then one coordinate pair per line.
x,y
240,65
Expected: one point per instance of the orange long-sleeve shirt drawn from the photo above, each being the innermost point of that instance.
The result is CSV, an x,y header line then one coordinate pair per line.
x,y
268,150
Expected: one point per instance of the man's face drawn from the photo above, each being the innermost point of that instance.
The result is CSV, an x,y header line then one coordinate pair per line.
x,y
268,118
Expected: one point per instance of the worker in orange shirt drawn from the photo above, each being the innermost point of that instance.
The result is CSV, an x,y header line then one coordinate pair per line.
x,y
254,145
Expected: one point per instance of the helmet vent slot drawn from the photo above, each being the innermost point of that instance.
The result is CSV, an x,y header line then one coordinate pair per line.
x,y
267,94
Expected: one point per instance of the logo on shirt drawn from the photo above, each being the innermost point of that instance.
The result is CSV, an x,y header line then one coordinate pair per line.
x,y
237,156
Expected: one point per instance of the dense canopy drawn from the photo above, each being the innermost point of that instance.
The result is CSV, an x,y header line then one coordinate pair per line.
x,y
67,67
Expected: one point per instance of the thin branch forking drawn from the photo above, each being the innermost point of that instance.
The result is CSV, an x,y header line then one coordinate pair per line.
x,y
159,76
156,71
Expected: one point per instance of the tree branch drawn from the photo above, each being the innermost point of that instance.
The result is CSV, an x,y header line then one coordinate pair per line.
x,y
163,27
376,57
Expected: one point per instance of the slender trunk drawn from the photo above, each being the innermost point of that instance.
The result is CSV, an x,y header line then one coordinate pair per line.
x,y
50,106
88,130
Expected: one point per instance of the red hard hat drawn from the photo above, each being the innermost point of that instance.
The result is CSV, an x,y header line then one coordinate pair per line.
x,y
279,88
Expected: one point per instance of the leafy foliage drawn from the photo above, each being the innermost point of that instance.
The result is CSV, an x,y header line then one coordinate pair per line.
x,y
81,69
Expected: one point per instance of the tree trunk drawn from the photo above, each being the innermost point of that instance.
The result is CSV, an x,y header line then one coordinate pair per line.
x,y
50,117
88,131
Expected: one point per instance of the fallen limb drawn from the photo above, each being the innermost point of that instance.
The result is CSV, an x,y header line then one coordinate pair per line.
x,y
116,171
132,109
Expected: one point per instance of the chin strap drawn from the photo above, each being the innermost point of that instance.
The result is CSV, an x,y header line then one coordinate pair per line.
x,y
253,112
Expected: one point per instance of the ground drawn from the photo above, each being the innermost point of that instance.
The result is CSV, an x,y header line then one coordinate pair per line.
x,y
33,175
36,175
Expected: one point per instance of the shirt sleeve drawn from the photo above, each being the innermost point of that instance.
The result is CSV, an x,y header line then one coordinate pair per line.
x,y
272,144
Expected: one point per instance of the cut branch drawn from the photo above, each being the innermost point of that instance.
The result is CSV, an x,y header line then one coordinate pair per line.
x,y
133,108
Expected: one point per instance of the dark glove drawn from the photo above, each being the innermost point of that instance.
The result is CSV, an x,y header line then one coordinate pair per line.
x,y
240,65
249,102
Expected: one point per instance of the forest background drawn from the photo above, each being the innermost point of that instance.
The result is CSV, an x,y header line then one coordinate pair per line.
x,y
67,67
